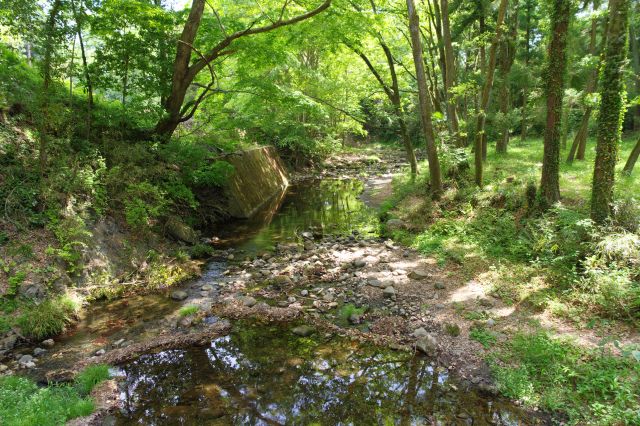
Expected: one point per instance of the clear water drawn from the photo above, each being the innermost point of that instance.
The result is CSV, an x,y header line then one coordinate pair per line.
x,y
265,375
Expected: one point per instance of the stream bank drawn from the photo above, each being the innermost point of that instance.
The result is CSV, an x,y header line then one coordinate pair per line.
x,y
314,257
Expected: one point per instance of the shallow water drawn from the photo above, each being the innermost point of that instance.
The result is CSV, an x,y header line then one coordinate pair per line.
x,y
325,206
265,375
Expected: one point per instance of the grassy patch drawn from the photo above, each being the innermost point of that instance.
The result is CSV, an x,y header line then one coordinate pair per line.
x,y
48,318
483,336
592,387
188,310
24,403
349,309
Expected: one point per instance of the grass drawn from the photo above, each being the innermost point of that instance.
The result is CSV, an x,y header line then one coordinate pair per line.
x,y
39,321
555,261
24,403
188,310
590,386
485,337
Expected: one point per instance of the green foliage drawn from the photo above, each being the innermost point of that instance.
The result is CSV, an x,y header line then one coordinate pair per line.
x,y
188,310
144,204
556,375
201,251
39,321
14,283
349,309
23,403
485,337
88,378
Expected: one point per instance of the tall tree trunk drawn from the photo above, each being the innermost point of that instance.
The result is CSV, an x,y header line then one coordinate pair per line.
x,y
507,57
47,63
579,145
633,157
480,143
449,81
525,88
425,104
555,76
611,110
635,63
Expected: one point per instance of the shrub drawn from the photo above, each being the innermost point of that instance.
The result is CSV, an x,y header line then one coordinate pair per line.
x,y
38,321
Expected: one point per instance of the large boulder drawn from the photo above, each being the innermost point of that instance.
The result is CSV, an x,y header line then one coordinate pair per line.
x,y
181,231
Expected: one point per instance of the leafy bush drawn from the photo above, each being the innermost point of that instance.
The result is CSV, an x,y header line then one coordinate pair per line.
x,y
48,318
143,204
485,337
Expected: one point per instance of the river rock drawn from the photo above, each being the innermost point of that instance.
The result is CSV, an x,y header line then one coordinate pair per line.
x,y
3,368
100,352
303,330
491,322
419,333
181,231
373,282
427,344
355,319
304,293
439,285
359,263
247,301
418,274
206,287
389,292
48,343
25,360
9,342
179,295
39,351
395,224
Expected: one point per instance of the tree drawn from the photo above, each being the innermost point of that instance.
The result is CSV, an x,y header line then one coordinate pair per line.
x,y
450,72
579,144
185,72
507,57
612,100
424,102
554,91
486,92
392,92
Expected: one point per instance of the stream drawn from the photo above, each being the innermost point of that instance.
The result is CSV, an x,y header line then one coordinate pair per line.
x,y
263,374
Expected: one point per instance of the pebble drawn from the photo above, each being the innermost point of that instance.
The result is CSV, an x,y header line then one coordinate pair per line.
x,y
439,286
100,352
25,359
304,293
491,322
389,292
48,343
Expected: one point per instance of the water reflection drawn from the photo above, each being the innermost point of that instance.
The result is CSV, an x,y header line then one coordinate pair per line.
x,y
331,205
263,376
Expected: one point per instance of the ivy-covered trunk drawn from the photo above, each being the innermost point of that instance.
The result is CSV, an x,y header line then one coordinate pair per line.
x,y
612,100
555,76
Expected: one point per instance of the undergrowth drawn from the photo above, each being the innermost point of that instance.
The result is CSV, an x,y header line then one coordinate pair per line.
x,y
24,403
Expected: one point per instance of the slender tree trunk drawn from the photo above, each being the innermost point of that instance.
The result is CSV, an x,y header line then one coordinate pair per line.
x,y
73,57
525,89
425,104
555,77
449,81
635,63
47,62
633,157
480,143
579,145
611,110
507,57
